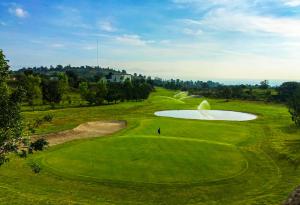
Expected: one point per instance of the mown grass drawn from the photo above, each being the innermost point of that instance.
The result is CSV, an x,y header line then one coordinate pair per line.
x,y
192,162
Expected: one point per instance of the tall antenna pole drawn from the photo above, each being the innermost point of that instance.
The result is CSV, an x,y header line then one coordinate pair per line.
x,y
97,53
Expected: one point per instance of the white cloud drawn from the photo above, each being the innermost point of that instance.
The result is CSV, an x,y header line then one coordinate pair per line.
x,y
292,3
224,20
69,17
205,4
57,45
107,26
133,40
2,23
18,12
192,32
89,47
218,2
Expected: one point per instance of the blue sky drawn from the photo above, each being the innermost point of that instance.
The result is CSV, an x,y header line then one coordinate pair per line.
x,y
187,39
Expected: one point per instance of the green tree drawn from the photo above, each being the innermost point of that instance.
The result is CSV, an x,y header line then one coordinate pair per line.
x,y
113,92
237,91
63,83
11,128
83,89
144,90
101,92
286,90
52,91
294,106
31,84
264,84
127,90
87,93
73,79
226,93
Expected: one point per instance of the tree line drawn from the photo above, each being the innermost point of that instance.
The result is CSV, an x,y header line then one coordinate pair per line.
x,y
287,93
52,88
103,91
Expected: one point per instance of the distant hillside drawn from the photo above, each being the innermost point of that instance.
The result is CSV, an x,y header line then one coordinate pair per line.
x,y
88,73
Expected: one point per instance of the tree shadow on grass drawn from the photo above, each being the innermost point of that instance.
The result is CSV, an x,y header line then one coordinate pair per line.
x,y
293,148
291,129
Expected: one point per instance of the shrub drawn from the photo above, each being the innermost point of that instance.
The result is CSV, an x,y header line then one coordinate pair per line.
x,y
38,122
39,144
23,154
294,106
35,167
48,118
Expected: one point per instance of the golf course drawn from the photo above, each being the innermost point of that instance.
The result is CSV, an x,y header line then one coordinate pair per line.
x,y
205,162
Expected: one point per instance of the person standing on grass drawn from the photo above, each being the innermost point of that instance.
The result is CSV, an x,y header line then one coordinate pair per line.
x,y
158,131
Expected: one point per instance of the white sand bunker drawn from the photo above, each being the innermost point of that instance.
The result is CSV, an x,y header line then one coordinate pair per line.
x,y
86,130
207,115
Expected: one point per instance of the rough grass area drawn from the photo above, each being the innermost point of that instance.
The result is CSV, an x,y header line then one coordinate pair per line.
x,y
191,162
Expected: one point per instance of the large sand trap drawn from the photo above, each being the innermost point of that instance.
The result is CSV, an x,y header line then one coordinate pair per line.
x,y
86,130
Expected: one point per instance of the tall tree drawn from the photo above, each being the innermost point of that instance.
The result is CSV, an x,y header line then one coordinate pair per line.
x,y
31,84
52,92
127,90
286,90
87,93
72,79
101,92
10,114
113,92
226,93
63,83
264,84
294,106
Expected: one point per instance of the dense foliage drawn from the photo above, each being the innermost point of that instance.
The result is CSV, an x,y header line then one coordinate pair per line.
x,y
57,84
294,106
39,144
75,74
10,118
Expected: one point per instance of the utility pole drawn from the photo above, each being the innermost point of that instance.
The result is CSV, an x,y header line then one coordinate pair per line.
x,y
97,53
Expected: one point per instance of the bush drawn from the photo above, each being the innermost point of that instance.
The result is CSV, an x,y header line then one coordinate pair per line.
x,y
35,167
48,118
39,144
294,106
38,122
3,159
23,154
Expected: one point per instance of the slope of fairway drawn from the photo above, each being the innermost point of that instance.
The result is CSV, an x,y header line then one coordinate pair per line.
x,y
148,159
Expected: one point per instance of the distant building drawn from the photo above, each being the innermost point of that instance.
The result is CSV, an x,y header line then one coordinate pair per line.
x,y
119,78
54,78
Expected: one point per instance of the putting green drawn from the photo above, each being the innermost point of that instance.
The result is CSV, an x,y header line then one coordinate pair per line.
x,y
147,159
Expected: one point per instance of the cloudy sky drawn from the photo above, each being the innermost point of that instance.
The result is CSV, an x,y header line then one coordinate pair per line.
x,y
188,39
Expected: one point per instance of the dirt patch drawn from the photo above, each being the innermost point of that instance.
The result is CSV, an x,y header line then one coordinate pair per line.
x,y
294,198
86,130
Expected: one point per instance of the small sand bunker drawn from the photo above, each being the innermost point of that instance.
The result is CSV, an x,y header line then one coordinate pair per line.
x,y
86,130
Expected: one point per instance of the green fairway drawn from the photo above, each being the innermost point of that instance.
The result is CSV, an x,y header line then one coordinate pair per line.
x,y
191,162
